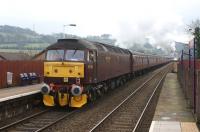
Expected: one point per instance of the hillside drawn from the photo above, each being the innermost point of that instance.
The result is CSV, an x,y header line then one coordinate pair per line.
x,y
17,35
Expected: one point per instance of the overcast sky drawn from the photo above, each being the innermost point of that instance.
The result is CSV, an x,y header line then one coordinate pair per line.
x,y
159,20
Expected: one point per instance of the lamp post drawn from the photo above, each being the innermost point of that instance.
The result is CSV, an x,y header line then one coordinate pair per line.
x,y
195,56
72,25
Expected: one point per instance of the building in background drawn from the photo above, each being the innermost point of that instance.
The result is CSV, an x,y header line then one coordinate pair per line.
x,y
14,56
179,47
40,56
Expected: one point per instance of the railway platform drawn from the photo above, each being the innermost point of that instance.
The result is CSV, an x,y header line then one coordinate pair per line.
x,y
17,92
16,100
172,111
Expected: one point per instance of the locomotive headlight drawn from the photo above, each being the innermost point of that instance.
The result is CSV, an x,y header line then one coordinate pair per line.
x,y
45,89
76,90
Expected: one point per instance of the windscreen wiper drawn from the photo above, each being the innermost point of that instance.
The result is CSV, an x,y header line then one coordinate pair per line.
x,y
74,52
60,55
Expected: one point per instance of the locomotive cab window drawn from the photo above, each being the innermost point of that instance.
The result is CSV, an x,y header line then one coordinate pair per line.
x,y
55,55
74,55
91,56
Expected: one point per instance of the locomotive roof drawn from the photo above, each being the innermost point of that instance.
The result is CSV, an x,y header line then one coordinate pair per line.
x,y
85,44
71,44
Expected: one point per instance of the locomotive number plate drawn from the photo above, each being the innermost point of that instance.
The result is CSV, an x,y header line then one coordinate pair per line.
x,y
65,79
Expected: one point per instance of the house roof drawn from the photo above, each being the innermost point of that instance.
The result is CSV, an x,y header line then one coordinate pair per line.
x,y
14,56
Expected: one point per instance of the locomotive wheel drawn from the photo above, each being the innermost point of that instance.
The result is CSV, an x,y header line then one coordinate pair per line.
x,y
99,93
92,95
121,82
118,83
105,89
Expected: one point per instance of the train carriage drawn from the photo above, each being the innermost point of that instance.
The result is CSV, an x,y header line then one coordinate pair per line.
x,y
140,62
77,71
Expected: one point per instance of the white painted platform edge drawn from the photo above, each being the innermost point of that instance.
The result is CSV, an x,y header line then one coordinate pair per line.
x,y
152,126
18,95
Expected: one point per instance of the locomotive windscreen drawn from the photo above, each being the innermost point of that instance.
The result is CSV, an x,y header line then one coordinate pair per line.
x,y
61,55
55,55
74,55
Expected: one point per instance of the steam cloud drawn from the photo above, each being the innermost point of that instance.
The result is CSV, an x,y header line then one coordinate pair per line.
x,y
159,33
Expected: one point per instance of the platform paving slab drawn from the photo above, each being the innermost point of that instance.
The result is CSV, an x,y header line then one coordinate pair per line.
x,y
15,92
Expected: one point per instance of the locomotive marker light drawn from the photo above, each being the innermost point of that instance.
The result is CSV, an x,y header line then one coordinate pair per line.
x,y
45,89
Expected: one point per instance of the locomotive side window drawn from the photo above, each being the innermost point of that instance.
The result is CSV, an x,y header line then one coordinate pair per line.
x,y
55,55
91,56
74,55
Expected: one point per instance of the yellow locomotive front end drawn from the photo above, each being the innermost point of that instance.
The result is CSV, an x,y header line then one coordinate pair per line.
x,y
63,78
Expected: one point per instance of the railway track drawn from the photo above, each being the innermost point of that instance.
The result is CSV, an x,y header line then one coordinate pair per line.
x,y
37,122
128,115
44,120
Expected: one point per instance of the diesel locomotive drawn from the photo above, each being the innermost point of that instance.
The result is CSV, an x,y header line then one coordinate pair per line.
x,y
77,71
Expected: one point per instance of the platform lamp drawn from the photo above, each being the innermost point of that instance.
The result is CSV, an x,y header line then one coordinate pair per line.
x,y
70,25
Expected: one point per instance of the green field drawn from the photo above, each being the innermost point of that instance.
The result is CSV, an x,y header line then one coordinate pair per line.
x,y
8,45
29,52
31,48
24,46
37,45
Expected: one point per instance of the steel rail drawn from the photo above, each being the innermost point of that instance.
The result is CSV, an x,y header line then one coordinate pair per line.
x,y
36,115
68,114
22,120
148,103
61,118
130,96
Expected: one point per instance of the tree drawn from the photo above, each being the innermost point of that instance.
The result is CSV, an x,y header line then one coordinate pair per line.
x,y
104,38
197,40
194,28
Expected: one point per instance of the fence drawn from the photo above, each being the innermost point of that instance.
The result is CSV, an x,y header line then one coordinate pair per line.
x,y
189,78
17,67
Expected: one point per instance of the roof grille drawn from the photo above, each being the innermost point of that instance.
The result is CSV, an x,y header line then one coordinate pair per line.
x,y
67,40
